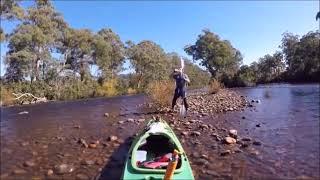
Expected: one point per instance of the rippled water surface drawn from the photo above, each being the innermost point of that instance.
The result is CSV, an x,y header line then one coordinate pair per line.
x,y
286,121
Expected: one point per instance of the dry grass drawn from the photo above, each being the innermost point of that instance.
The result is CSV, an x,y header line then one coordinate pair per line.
x,y
108,88
161,92
6,97
215,86
131,91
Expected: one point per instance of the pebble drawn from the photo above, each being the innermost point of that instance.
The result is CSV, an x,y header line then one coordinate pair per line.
x,y
226,152
29,163
230,140
112,138
185,133
106,114
87,162
63,169
81,177
5,175
19,171
233,133
196,133
50,172
130,120
201,162
25,143
23,112
212,173
83,143
120,122
246,139
257,143
92,145
195,155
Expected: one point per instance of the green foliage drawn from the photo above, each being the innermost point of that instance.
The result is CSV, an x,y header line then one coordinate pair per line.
x,y
42,31
218,56
302,56
109,52
149,61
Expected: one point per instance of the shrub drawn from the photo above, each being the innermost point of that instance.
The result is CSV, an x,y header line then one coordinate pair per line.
x,y
131,91
214,86
108,88
161,92
6,97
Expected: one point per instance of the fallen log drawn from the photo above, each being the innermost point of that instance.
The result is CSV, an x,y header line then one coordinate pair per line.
x,y
29,98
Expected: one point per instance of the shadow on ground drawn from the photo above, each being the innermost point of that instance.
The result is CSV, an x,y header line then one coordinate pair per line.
x,y
114,168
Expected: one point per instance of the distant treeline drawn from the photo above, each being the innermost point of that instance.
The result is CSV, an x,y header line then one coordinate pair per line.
x,y
48,58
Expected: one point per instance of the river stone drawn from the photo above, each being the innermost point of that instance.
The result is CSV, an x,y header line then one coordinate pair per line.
x,y
87,162
257,143
83,143
233,133
130,120
120,122
212,173
19,171
23,112
29,163
201,162
195,155
63,169
106,114
92,145
226,152
246,139
113,138
203,126
25,143
3,176
230,140
185,133
50,172
196,133
81,177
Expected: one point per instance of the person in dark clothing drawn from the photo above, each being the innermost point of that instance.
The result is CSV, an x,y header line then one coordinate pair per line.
x,y
180,91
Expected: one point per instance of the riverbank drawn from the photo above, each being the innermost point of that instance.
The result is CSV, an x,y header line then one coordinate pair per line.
x,y
89,139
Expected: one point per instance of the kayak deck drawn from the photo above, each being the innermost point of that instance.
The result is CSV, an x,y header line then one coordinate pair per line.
x,y
155,140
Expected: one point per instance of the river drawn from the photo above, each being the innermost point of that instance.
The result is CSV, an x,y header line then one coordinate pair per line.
x,y
285,121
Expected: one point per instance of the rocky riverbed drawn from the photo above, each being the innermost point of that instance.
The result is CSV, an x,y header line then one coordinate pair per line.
x,y
89,139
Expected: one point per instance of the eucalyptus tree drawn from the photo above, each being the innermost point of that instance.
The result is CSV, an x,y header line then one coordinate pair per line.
x,y
217,55
35,39
148,60
109,52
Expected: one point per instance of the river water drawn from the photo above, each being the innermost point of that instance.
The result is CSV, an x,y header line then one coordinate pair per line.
x,y
285,121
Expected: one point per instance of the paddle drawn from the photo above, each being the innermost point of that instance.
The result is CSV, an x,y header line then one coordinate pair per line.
x,y
182,110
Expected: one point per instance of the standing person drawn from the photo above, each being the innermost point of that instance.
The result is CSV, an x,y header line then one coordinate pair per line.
x,y
181,82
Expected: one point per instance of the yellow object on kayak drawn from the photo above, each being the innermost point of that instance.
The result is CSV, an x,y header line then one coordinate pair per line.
x,y
172,166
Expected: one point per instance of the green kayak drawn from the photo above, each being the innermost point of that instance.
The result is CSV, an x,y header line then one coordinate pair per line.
x,y
156,140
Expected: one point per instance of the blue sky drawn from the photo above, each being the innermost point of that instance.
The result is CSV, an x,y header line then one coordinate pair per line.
x,y
253,27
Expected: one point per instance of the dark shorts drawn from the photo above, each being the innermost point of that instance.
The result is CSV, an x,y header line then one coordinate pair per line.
x,y
180,93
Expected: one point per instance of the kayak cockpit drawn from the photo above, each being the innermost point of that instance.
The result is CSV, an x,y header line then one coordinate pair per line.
x,y
153,152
